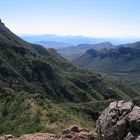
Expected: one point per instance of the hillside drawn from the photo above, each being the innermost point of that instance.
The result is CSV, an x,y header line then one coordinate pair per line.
x,y
135,45
41,91
74,52
121,63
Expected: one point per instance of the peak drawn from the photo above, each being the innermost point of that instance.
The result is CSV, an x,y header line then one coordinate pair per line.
x,y
1,23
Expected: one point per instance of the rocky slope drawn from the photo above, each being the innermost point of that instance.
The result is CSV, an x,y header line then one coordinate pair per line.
x,y
120,121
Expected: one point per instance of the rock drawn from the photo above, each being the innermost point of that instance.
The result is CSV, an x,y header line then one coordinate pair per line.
x,y
38,136
74,132
7,137
130,137
74,128
120,121
134,119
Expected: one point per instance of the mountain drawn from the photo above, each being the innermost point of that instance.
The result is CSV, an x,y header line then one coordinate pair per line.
x,y
52,44
121,63
42,92
135,45
68,39
76,40
74,52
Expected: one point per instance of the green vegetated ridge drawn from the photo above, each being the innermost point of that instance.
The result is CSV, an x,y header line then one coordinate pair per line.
x,y
42,92
121,63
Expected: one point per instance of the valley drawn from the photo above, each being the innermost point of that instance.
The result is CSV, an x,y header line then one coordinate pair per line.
x,y
119,63
41,91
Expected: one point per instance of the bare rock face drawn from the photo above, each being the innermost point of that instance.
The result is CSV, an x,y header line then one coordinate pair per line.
x,y
36,136
120,121
74,132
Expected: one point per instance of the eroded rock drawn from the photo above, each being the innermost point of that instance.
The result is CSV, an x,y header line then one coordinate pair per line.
x,y
120,121
74,132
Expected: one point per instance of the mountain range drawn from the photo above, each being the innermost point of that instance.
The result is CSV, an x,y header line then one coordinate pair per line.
x,y
53,44
121,63
43,92
73,52
75,40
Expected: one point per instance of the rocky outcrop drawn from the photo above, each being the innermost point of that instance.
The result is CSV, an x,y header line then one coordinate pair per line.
x,y
120,121
74,132
36,136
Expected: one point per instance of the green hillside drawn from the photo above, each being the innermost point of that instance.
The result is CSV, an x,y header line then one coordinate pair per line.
x,y
121,64
42,92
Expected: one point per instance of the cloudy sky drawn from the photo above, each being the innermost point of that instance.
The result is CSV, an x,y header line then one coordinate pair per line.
x,y
97,18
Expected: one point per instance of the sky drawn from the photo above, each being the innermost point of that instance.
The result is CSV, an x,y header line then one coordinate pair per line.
x,y
96,18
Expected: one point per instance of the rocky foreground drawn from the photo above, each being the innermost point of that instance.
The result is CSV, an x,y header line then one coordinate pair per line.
x,y
120,121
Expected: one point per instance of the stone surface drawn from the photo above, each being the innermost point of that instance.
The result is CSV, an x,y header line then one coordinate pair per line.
x,y
120,121
74,132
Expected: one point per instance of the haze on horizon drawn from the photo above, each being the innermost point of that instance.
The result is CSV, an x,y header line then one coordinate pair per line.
x,y
96,18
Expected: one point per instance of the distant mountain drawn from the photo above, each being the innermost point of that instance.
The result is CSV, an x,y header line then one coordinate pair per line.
x,y
76,40
74,52
121,63
135,45
40,91
68,39
52,44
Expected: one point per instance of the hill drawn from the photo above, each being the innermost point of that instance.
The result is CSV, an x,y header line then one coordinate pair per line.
x,y
74,52
42,92
135,45
121,63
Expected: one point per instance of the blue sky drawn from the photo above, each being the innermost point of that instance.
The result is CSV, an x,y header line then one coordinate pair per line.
x,y
97,18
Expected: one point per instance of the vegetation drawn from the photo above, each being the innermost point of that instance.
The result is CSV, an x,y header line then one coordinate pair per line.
x,y
42,92
22,113
121,64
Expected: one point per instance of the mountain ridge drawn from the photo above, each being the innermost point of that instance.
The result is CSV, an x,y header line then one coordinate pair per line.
x,y
122,61
42,92
74,52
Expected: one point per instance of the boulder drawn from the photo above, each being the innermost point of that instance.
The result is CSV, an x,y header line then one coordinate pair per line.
x,y
76,132
120,121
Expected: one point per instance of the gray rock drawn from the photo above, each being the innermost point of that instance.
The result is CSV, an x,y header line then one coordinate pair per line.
x,y
120,121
